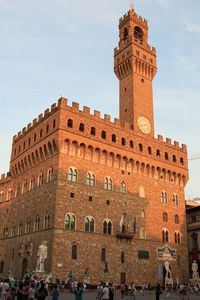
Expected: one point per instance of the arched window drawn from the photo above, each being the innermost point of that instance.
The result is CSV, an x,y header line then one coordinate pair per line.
x,y
176,219
174,158
81,127
125,33
175,199
107,227
9,195
166,156
70,123
28,226
93,131
108,183
18,191
103,254
32,183
177,238
70,221
72,174
90,179
165,217
163,196
89,224
140,147
54,124
123,142
25,187
47,221
74,252
35,137
114,139
103,134
165,235
149,151
20,229
1,196
138,33
50,175
182,161
157,153
37,224
40,132
123,188
131,144
47,128
41,179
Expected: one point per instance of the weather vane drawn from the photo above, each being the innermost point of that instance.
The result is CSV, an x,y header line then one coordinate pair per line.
x,y
131,5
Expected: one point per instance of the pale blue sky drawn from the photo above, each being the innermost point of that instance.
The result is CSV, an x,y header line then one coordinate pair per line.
x,y
50,48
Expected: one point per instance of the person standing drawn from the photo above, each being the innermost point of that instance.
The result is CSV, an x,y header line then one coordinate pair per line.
x,y
105,293
55,293
158,291
79,292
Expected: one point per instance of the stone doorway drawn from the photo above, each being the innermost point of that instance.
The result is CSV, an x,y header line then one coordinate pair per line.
x,y
24,266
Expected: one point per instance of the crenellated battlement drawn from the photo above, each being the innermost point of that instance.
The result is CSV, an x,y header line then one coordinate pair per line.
x,y
130,40
132,16
5,177
96,117
35,122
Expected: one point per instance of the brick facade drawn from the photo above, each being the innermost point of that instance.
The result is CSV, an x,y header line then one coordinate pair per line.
x,y
132,174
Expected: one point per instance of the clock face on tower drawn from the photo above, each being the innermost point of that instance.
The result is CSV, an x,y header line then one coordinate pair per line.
x,y
144,125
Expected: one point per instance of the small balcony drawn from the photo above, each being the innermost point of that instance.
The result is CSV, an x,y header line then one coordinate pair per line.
x,y
125,235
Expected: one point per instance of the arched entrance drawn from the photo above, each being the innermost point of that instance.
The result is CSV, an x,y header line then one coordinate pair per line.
x,y
24,266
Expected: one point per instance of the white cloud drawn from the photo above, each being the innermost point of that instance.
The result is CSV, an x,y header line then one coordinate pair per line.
x,y
192,27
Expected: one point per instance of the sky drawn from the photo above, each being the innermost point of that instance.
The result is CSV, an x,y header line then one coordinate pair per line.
x,y
53,48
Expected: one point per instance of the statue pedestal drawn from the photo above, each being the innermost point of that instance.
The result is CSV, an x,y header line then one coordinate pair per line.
x,y
86,279
168,281
39,275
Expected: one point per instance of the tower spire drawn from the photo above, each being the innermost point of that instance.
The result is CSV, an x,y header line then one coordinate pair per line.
x,y
131,5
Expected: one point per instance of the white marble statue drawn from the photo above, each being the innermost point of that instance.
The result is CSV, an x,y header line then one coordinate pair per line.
x,y
41,257
168,276
195,274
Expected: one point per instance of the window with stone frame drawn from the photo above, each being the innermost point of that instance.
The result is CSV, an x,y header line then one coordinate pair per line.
x,y
41,179
50,174
74,252
89,224
175,199
163,196
70,221
107,226
20,229
177,238
14,231
176,219
37,224
108,185
165,217
32,183
122,257
9,195
81,127
90,181
47,221
103,134
72,174
18,191
1,196
123,188
25,187
165,235
103,254
28,226
70,123
5,232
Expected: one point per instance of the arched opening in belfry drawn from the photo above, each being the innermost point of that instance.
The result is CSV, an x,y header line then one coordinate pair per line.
x,y
138,33
125,33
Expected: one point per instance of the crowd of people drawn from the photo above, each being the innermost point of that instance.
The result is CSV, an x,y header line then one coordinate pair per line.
x,y
39,290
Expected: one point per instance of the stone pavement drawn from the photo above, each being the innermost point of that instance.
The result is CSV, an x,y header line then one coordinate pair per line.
x,y
92,296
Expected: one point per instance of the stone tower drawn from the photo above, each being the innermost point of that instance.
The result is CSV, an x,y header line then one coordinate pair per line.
x,y
135,67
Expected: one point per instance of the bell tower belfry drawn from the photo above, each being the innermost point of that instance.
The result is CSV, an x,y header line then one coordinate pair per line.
x,y
135,66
